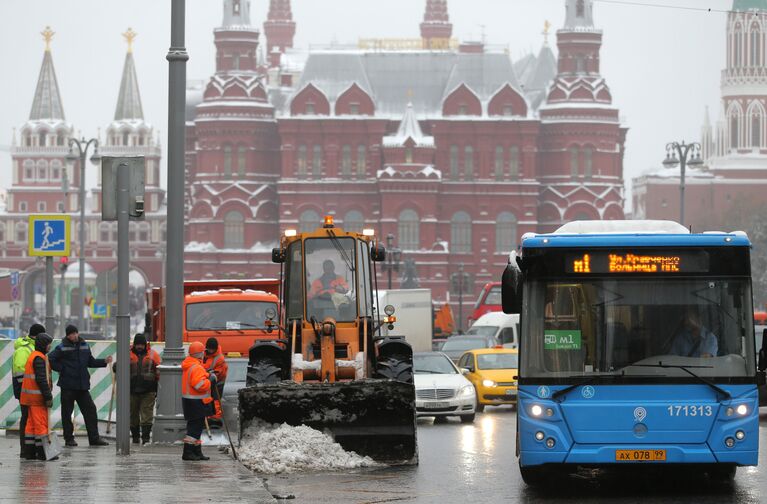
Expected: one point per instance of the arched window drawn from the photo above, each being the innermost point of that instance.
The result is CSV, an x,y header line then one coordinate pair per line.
x,y
302,161
236,7
460,233
574,161
60,140
407,230
41,138
317,161
114,232
42,170
756,46
29,170
21,232
104,232
241,152
454,162
734,132
126,138
756,131
588,153
738,45
354,221
581,216
132,232
227,160
362,160
143,232
409,155
56,169
580,8
2,232
163,233
346,161
514,162
308,221
499,163
234,230
468,162
505,232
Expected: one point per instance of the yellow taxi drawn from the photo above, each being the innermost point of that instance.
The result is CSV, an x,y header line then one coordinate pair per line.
x,y
493,372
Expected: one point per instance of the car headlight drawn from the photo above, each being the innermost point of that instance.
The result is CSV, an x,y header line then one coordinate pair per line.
x,y
466,391
489,383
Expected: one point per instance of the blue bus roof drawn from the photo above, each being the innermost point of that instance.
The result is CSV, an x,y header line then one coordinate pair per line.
x,y
635,240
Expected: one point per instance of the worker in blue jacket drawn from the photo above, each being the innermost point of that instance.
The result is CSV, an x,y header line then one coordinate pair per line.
x,y
71,359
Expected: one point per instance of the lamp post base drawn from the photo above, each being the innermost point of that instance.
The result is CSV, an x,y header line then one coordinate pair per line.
x,y
169,423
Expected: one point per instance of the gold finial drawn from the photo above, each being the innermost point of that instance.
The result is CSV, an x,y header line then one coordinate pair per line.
x,y
129,36
546,28
47,36
410,93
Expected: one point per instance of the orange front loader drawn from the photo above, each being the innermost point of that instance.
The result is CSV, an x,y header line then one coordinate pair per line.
x,y
333,370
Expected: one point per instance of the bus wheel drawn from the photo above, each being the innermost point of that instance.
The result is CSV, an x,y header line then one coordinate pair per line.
x,y
535,476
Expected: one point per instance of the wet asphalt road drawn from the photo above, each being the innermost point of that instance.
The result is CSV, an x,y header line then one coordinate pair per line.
x,y
476,464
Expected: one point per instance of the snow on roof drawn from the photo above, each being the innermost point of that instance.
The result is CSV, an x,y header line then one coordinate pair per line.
x,y
622,226
409,128
208,247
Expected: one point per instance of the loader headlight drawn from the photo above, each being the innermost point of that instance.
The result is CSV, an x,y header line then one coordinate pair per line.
x,y
466,391
489,383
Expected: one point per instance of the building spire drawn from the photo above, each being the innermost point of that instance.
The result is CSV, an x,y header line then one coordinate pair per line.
x,y
580,14
436,28
47,102
546,31
129,99
236,13
279,29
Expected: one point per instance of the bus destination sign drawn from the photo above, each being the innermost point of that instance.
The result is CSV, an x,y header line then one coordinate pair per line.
x,y
640,262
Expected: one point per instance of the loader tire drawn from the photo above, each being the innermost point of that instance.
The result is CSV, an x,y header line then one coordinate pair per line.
x,y
395,367
265,371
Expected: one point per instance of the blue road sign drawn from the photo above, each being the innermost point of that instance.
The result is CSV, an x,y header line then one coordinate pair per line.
x,y
99,311
49,235
14,279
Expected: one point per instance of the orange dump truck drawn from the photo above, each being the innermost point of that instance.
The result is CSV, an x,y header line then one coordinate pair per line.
x,y
232,311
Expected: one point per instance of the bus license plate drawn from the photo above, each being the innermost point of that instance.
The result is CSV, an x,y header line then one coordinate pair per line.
x,y
640,455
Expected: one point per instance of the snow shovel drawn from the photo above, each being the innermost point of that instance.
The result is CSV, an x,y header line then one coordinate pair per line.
x,y
111,400
226,426
207,428
51,442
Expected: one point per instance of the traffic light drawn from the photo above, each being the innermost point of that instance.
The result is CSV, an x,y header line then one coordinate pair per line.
x,y
64,264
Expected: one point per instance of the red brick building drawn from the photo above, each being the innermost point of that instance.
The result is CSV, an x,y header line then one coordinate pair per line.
x,y
734,147
454,149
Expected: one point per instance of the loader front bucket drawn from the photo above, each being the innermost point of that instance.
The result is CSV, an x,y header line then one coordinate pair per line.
x,y
374,418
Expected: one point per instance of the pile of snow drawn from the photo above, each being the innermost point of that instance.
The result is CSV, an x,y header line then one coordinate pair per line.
x,y
273,449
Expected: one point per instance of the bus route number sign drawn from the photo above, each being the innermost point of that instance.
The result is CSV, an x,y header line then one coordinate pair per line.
x,y
562,339
644,262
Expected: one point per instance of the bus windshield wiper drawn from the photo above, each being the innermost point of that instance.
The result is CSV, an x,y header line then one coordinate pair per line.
x,y
561,393
686,369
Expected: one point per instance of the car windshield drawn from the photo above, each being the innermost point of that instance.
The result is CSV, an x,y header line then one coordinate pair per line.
x,y
227,315
330,278
433,364
463,344
493,296
498,361
483,330
625,326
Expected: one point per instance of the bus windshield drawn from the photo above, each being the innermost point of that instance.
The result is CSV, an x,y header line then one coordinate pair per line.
x,y
650,326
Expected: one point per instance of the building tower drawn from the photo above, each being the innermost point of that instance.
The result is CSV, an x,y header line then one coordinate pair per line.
x,y
582,151
279,29
39,167
235,165
436,28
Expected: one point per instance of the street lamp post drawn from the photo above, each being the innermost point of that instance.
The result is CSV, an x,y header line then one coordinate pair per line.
x,y
393,257
80,154
460,298
682,154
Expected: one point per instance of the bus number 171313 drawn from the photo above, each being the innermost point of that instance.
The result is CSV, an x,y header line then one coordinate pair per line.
x,y
690,410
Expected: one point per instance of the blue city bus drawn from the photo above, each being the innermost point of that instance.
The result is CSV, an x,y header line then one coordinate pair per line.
x,y
637,347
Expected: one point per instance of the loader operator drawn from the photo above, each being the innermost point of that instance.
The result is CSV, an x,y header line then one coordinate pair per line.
x,y
196,400
329,283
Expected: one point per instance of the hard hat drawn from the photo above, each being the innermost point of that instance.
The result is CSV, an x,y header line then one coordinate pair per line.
x,y
196,349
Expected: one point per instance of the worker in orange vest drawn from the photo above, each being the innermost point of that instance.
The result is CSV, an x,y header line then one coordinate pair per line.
x,y
216,363
196,400
37,397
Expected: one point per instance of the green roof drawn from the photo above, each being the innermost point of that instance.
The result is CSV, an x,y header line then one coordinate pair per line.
x,y
744,5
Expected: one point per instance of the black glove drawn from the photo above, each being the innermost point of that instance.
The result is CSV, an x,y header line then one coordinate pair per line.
x,y
212,377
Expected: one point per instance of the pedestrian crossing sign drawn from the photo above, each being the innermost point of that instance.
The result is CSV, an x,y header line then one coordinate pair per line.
x,y
49,235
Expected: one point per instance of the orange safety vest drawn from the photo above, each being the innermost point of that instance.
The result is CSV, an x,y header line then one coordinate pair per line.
x,y
30,392
319,288
195,384
217,364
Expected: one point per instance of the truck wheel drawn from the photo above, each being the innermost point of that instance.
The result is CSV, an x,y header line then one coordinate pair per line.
x,y
265,370
395,367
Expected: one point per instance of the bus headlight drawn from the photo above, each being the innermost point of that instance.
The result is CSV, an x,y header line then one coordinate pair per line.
x,y
741,410
489,383
536,410
740,435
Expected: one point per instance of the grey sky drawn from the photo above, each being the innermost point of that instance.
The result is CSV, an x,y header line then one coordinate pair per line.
x,y
662,64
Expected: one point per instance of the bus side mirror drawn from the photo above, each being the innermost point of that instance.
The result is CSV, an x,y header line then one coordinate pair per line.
x,y
378,253
762,362
511,287
277,256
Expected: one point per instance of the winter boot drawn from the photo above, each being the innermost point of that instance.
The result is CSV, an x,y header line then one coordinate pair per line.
x,y
29,452
146,433
39,453
189,452
135,432
198,452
